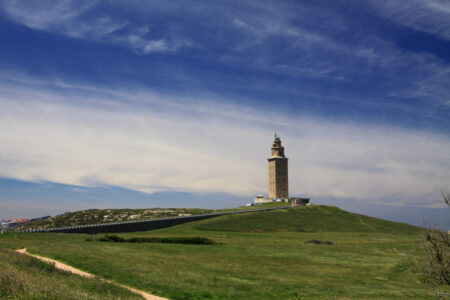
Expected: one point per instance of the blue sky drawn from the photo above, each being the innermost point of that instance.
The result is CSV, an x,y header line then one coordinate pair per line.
x,y
174,103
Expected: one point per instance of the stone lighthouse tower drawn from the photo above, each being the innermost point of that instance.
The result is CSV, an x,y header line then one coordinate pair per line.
x,y
278,171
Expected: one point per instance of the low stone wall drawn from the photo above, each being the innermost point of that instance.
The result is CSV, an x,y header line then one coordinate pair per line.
x,y
143,225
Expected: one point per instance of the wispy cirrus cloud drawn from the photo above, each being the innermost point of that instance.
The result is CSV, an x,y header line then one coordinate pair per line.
x,y
65,17
141,45
432,16
76,19
299,40
47,15
262,28
295,40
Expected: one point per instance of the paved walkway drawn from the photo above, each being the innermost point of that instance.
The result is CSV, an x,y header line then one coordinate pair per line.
x,y
67,268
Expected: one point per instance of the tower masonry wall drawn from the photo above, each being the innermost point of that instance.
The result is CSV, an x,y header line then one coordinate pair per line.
x,y
278,178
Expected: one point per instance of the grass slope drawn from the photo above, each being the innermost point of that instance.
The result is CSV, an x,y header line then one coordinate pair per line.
x,y
101,216
373,260
304,219
24,277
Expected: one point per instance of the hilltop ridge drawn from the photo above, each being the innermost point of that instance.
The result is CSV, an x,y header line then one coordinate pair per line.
x,y
314,218
103,216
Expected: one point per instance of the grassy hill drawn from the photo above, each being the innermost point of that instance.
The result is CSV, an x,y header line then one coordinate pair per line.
x,y
261,255
101,216
313,218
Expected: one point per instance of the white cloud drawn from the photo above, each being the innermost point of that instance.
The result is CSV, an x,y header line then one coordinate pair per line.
x,y
95,29
311,51
71,18
46,14
63,17
149,142
141,45
432,16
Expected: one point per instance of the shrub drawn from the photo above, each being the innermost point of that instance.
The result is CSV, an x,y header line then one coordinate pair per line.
x,y
165,240
187,240
112,238
317,242
435,265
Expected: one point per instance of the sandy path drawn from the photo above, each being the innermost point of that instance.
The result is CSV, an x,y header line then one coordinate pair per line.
x,y
67,268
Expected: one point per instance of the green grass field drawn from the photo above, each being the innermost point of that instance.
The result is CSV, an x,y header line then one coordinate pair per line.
x,y
257,256
24,277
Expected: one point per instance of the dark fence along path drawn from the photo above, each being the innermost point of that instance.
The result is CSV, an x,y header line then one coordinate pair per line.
x,y
143,225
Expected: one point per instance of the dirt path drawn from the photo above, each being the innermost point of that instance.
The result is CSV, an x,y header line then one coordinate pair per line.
x,y
67,268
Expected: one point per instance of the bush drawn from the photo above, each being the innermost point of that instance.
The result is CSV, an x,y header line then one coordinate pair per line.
x,y
435,267
317,242
143,240
112,238
192,240
164,240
